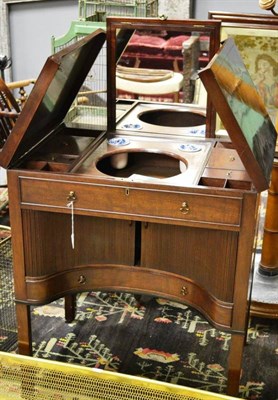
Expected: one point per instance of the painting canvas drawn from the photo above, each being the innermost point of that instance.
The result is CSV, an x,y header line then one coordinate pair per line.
x,y
259,52
242,110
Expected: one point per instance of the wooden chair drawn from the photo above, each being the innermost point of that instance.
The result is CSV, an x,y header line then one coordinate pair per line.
x,y
9,111
10,106
145,81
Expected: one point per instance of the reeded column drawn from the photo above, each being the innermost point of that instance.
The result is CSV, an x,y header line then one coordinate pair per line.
x,y
269,260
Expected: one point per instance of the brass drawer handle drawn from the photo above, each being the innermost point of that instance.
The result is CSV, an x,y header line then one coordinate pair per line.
x,y
184,208
184,290
71,196
81,279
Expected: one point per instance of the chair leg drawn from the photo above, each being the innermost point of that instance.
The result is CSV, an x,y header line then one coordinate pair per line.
x,y
70,307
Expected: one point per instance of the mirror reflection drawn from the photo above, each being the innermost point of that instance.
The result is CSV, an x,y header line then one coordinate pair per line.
x,y
162,65
157,61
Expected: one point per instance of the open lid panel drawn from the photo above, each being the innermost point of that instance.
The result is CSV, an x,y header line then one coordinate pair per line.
x,y
242,112
53,94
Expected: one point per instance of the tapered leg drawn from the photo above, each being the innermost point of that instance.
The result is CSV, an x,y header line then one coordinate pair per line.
x,y
234,363
70,307
24,329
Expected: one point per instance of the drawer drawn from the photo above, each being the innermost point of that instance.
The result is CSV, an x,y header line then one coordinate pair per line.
x,y
131,202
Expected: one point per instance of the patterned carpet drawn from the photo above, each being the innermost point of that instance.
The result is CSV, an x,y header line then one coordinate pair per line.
x,y
158,340
155,339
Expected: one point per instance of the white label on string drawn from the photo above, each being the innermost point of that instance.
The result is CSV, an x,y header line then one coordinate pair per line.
x,y
70,205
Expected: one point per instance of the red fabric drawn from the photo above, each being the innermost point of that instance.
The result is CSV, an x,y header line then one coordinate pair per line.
x,y
145,44
176,42
173,46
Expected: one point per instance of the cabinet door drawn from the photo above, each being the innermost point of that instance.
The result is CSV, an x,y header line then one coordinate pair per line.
x,y
48,246
205,256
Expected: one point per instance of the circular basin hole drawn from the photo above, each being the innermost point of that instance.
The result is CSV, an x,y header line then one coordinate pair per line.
x,y
174,118
149,164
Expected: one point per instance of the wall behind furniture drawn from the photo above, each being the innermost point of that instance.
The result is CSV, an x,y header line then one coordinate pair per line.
x,y
31,26
32,23
201,7
176,9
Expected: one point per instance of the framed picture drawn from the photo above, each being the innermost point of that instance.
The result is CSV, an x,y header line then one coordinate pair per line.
x,y
267,19
256,37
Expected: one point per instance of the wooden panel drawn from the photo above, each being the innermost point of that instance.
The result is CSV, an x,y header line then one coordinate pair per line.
x,y
131,279
206,256
47,242
225,158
